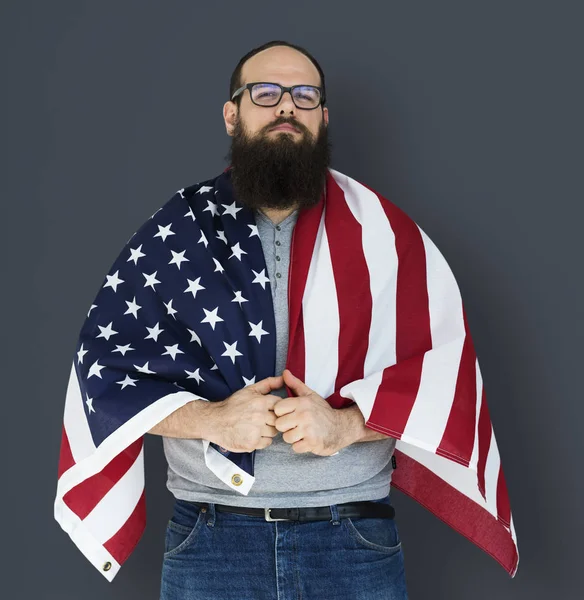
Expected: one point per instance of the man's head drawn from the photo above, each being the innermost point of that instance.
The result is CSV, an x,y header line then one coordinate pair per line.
x,y
277,169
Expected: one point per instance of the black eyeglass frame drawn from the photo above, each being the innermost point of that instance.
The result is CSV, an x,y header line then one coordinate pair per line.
x,y
283,89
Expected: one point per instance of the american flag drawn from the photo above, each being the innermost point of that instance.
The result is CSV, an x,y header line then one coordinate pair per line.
x,y
376,319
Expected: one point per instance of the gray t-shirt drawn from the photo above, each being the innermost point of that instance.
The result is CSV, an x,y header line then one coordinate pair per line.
x,y
283,478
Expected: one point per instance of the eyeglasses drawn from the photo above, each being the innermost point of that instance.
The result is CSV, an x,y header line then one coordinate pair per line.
x,y
262,93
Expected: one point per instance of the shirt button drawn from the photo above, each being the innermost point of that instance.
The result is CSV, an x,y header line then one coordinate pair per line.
x,y
278,227
278,275
277,242
277,258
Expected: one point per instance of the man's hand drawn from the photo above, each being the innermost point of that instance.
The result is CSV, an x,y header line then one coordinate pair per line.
x,y
308,421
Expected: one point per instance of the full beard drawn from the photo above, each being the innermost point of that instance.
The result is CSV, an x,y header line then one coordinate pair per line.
x,y
277,171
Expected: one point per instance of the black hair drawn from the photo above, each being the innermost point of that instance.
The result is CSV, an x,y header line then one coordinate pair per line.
x,y
235,82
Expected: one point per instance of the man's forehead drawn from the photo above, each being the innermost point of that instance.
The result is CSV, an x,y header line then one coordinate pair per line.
x,y
285,69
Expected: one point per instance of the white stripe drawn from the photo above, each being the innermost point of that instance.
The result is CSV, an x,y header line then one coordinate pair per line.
x,y
441,365
116,507
363,392
320,310
75,421
492,475
225,469
378,241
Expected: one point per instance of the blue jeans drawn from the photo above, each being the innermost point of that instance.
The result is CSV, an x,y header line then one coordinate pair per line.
x,y
213,555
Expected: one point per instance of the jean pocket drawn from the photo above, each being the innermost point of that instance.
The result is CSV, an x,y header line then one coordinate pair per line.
x,y
181,535
374,533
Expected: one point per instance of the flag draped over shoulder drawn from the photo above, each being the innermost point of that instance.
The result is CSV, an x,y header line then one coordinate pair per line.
x,y
186,313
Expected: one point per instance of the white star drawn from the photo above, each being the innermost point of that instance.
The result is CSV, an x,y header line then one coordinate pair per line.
x,y
169,309
106,332
237,251
113,281
249,381
194,286
194,337
261,278
218,266
95,369
81,354
144,369
231,210
173,351
212,207
89,403
178,258
157,211
164,232
154,332
91,308
194,375
231,351
214,367
203,189
221,236
123,349
190,213
151,280
135,254
133,308
203,239
254,230
127,381
212,317
180,192
257,331
239,298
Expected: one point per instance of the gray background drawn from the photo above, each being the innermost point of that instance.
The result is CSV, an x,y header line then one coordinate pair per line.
x,y
468,115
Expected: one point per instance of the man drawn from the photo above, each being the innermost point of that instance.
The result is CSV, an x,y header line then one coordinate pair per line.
x,y
281,491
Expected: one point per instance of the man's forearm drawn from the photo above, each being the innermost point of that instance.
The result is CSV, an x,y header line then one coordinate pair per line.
x,y
190,421
356,430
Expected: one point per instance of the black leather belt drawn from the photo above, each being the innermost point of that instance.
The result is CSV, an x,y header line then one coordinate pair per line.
x,y
365,508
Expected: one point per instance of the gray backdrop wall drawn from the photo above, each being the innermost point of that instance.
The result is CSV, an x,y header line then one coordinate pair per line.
x,y
468,115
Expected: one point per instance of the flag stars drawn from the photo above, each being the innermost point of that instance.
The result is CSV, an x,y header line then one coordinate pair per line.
x,y
254,230
221,236
194,375
173,351
113,281
218,266
154,332
164,232
190,213
212,317
145,369
91,308
133,308
178,258
239,298
169,309
151,280
89,403
249,381
106,332
127,381
212,208
95,369
203,239
194,286
135,254
261,278
231,351
231,210
194,337
80,354
123,349
237,251
203,189
257,331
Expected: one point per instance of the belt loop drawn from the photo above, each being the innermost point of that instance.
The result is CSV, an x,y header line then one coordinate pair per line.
x,y
210,510
334,514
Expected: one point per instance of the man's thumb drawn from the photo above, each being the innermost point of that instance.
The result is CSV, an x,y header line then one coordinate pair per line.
x,y
295,384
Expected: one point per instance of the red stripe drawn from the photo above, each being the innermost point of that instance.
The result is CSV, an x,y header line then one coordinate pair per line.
x,y
503,505
121,545
83,498
455,509
484,433
400,382
458,437
353,290
66,460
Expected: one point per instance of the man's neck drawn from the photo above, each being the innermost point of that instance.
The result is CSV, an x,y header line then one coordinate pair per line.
x,y
277,215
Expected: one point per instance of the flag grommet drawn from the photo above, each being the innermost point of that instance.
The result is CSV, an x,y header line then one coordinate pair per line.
x,y
237,479
107,566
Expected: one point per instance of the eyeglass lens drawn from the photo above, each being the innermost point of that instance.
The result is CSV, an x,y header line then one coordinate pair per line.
x,y
266,94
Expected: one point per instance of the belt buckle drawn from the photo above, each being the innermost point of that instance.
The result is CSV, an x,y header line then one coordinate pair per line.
x,y
269,518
